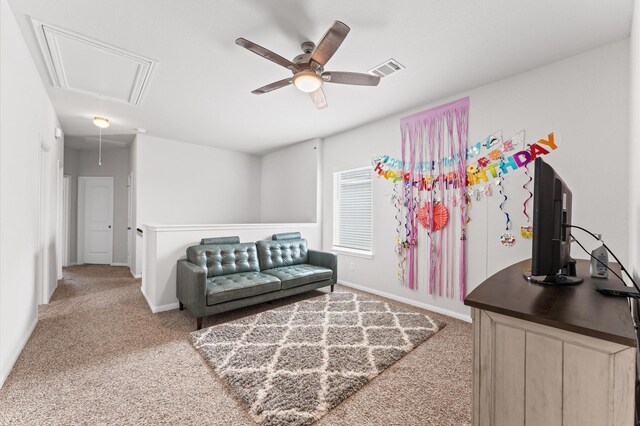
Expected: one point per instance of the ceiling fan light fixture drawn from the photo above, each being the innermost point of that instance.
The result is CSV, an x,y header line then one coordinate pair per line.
x,y
101,122
307,81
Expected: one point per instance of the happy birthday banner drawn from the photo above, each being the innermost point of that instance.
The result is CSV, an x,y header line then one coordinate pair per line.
x,y
496,161
474,150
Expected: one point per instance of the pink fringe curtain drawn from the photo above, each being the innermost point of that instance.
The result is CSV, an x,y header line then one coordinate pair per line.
x,y
434,148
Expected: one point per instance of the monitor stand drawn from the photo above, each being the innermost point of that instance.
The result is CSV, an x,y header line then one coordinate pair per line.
x,y
565,276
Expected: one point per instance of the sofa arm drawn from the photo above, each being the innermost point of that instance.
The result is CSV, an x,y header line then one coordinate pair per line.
x,y
191,286
326,260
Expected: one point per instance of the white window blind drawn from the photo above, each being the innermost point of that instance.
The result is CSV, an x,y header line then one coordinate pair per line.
x,y
353,219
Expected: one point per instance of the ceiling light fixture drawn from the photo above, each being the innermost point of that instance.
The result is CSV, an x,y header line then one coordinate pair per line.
x,y
101,122
307,81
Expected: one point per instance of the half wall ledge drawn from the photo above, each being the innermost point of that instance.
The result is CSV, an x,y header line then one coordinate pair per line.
x,y
163,245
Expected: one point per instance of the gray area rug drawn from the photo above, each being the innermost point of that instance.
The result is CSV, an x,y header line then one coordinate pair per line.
x,y
293,364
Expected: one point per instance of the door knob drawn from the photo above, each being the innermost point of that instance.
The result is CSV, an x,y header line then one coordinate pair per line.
x,y
128,228
109,226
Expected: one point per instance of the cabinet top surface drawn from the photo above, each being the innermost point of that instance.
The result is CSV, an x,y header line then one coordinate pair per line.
x,y
578,308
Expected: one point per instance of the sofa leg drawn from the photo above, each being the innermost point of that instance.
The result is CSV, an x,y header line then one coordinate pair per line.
x,y
181,306
331,288
198,323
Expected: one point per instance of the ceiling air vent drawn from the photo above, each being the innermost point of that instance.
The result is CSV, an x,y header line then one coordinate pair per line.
x,y
386,68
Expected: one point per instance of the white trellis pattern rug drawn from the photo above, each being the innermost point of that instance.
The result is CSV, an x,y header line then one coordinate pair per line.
x,y
293,364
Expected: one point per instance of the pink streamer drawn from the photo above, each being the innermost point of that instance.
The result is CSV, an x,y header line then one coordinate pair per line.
x,y
425,132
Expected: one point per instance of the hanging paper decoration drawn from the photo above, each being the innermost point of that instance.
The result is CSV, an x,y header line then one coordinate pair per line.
x,y
508,239
440,216
478,192
527,230
467,200
399,249
423,215
434,169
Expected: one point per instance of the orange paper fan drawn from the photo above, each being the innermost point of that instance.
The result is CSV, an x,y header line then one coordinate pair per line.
x,y
440,216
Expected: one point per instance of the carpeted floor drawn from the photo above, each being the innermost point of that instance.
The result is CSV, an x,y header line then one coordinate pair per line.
x,y
99,356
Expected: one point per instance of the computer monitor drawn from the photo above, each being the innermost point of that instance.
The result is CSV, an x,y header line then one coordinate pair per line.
x,y
551,261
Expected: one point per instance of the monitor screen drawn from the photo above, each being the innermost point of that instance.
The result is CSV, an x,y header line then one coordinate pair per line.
x,y
551,261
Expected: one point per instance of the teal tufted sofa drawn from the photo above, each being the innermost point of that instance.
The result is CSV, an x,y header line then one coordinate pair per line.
x,y
221,274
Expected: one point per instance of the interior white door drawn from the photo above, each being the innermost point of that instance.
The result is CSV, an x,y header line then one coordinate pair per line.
x,y
98,220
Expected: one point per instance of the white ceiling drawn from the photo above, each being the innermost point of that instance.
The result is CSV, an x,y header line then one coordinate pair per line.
x,y
200,91
77,62
93,141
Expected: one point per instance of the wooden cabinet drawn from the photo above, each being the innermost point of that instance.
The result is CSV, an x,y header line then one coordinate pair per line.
x,y
548,356
528,373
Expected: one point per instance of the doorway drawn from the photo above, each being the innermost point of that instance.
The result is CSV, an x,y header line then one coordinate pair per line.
x,y
66,220
60,239
95,220
130,221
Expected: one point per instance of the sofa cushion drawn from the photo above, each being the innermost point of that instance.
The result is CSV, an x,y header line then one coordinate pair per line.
x,y
286,236
297,275
274,254
223,259
224,288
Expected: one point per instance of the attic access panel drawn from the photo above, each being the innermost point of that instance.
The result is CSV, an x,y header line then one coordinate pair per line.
x,y
82,64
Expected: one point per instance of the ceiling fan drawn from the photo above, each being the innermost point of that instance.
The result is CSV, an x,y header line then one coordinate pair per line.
x,y
308,68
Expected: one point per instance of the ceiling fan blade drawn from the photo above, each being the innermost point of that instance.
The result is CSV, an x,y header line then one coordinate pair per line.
x,y
273,86
266,53
319,99
329,43
355,78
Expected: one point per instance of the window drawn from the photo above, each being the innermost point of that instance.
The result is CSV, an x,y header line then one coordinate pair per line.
x,y
353,211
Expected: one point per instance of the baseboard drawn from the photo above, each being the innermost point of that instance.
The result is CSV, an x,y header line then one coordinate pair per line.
x,y
161,308
10,363
119,264
133,274
427,306
53,290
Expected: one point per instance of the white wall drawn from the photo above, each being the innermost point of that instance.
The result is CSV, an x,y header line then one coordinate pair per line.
x,y
181,183
583,99
136,243
28,121
634,145
71,169
289,184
